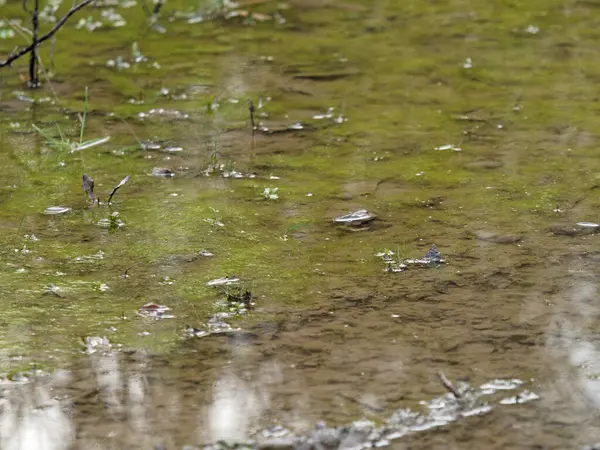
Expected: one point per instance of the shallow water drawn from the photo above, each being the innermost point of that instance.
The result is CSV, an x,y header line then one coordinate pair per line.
x,y
468,125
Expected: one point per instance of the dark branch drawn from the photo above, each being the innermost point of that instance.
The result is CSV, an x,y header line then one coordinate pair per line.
x,y
116,188
33,70
157,8
18,54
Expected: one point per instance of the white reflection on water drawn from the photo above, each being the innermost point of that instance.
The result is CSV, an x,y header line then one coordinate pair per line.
x,y
574,316
31,420
240,400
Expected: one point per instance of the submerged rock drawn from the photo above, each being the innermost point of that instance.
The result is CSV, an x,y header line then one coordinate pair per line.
x,y
577,229
490,236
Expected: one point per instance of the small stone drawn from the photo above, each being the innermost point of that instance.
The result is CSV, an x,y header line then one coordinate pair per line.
x,y
484,164
162,172
280,443
490,236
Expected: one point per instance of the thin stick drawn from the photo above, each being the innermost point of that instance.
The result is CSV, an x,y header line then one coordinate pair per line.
x,y
33,72
124,275
251,109
157,8
448,385
85,108
19,53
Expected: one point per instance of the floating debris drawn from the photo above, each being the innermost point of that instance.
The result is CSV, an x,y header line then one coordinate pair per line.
x,y
391,265
394,267
523,397
271,193
155,311
468,63
433,257
167,113
91,258
532,29
327,115
225,281
151,146
205,253
448,147
51,289
356,218
162,172
500,385
196,332
437,412
54,210
232,174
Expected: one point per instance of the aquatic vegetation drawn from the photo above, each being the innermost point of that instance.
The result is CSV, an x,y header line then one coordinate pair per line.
x,y
112,222
64,143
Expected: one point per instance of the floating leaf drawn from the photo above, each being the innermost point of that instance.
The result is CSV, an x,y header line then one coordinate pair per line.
x,y
123,181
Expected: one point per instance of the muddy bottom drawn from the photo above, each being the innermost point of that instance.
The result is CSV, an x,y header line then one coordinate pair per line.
x,y
251,258
516,337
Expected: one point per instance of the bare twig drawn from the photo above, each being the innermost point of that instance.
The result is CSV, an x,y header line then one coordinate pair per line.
x,y
145,7
33,71
16,54
251,109
157,8
124,275
116,188
448,385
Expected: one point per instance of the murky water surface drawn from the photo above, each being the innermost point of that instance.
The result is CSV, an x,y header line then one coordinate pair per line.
x,y
216,299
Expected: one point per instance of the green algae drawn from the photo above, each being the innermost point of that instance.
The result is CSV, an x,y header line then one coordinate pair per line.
x,y
397,76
